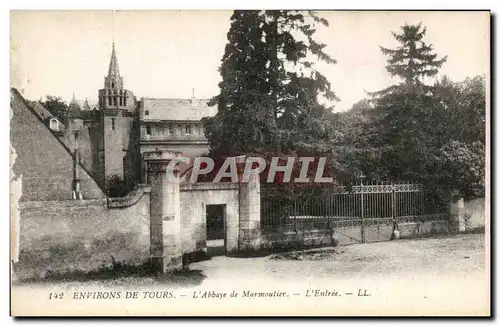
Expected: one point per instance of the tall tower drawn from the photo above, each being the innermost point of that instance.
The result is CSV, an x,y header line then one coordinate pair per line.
x,y
116,104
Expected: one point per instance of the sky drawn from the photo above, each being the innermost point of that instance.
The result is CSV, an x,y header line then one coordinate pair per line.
x,y
167,54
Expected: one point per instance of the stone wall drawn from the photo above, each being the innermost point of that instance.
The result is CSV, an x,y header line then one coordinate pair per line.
x,y
84,143
194,198
189,149
67,236
249,198
475,214
295,240
420,229
292,240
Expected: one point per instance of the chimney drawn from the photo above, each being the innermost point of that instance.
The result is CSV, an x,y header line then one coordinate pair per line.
x,y
77,194
193,102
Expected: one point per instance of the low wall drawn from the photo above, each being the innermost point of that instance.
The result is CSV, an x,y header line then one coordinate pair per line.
x,y
291,240
295,240
418,229
68,236
475,214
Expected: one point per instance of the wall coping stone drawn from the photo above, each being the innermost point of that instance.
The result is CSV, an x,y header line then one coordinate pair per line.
x,y
63,203
420,222
131,198
118,202
205,186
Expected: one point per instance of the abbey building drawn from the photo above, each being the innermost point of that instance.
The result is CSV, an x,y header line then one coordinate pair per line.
x,y
112,136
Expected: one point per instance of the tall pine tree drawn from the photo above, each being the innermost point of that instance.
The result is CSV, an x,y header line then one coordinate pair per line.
x,y
401,131
270,93
411,62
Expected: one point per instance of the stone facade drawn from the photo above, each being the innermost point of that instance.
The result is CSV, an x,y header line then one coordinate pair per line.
x,y
56,230
119,129
83,236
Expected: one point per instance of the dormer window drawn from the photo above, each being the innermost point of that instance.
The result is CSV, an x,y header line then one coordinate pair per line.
x,y
53,124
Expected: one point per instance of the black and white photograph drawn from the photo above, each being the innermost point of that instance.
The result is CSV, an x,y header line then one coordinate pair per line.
x,y
250,163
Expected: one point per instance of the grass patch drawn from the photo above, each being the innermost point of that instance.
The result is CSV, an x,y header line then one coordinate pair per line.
x,y
119,270
476,230
314,254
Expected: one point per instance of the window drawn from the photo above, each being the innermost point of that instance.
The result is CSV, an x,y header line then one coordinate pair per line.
x,y
112,85
146,112
148,130
114,101
188,129
53,124
113,123
109,101
170,129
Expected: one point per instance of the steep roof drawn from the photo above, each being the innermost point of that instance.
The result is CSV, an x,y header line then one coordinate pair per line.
x,y
113,64
42,158
40,110
176,109
86,105
74,110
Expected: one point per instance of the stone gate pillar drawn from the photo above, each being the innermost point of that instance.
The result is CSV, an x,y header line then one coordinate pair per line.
x,y
165,224
250,232
457,215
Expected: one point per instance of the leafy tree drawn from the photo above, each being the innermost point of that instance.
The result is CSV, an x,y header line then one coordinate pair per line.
x,y
459,169
57,107
270,91
116,186
464,103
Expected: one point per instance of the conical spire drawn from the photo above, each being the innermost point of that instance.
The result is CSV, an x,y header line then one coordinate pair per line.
x,y
86,105
74,108
113,70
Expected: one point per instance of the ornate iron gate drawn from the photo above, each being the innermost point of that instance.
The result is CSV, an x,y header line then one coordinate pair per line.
x,y
358,214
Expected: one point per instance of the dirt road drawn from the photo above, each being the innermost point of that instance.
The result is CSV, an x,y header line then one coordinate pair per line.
x,y
438,276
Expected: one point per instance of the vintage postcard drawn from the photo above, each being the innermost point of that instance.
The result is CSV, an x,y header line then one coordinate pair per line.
x,y
250,163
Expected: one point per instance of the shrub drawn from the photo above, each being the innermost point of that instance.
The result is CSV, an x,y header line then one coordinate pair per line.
x,y
116,186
